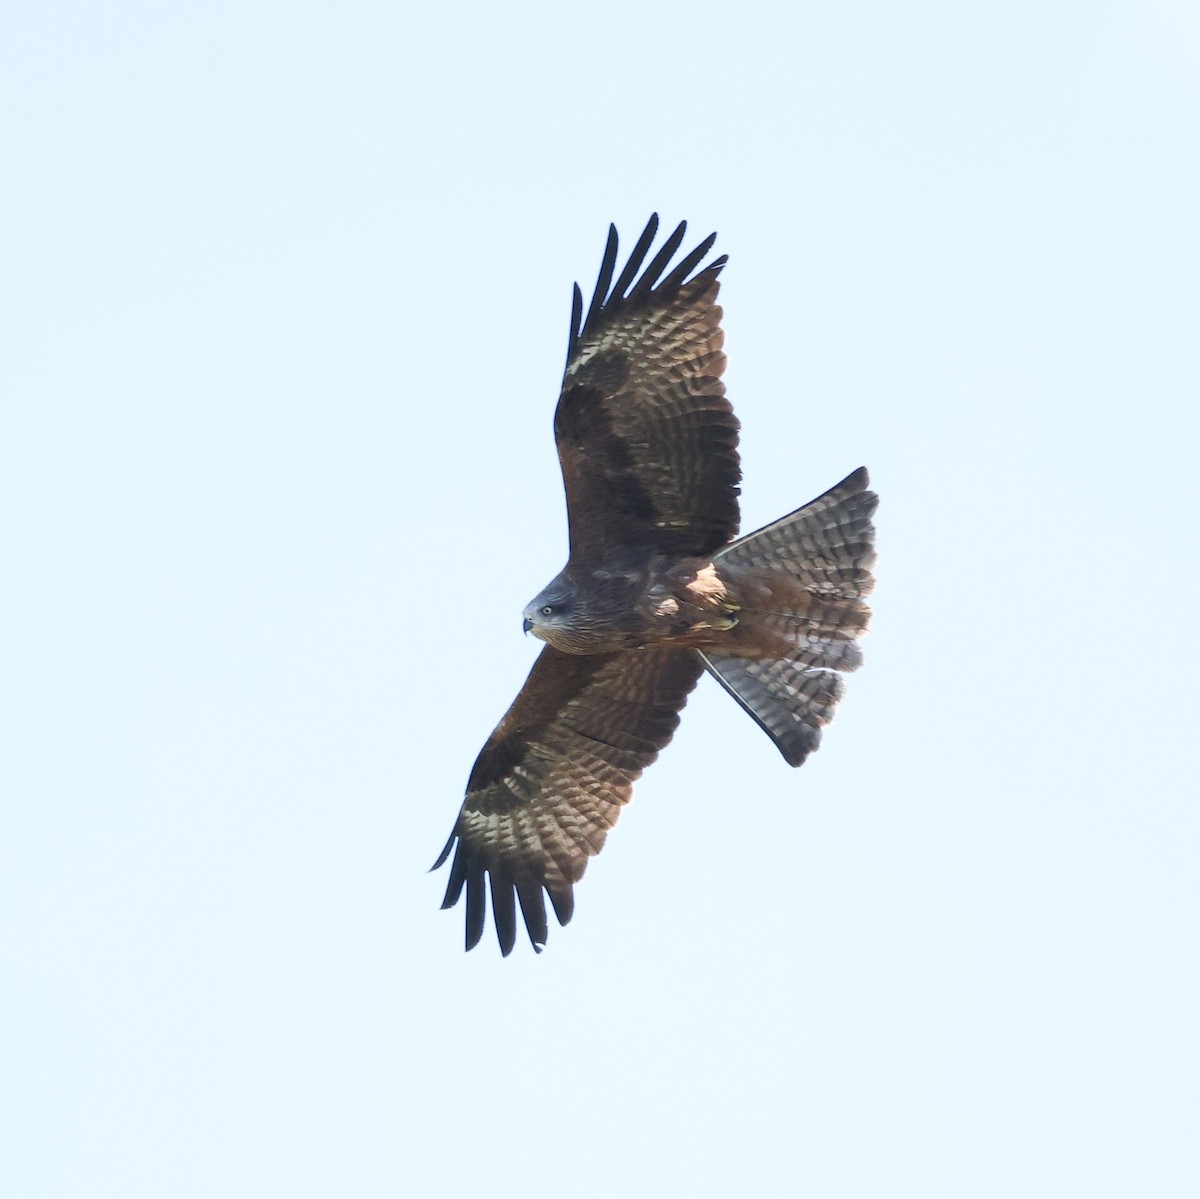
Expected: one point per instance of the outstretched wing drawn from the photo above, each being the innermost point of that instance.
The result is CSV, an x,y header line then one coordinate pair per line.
x,y
552,778
646,438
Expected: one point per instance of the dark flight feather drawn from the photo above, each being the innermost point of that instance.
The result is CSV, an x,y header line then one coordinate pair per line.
x,y
604,278
636,257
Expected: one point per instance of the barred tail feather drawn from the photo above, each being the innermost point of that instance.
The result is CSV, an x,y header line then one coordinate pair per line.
x,y
828,545
802,580
791,703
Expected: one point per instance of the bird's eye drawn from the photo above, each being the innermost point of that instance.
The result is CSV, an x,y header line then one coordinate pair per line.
x,y
548,610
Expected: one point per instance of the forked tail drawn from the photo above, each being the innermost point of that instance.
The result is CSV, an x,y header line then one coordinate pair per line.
x,y
801,581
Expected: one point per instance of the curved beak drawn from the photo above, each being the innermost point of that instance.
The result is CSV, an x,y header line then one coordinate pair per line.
x,y
526,625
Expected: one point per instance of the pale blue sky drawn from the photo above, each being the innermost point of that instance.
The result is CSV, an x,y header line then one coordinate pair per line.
x,y
284,305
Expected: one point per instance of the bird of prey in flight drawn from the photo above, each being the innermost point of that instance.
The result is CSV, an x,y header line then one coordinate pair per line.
x,y
657,589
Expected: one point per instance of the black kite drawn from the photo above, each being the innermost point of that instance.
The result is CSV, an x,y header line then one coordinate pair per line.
x,y
656,590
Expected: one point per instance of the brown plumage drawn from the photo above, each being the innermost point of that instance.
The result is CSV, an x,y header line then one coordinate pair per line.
x,y
655,591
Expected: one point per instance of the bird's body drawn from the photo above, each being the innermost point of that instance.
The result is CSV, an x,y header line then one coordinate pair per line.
x,y
656,590
631,604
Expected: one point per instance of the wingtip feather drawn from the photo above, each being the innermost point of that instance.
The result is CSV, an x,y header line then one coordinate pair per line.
x,y
476,909
533,909
504,913
603,279
458,876
576,329
441,861
563,902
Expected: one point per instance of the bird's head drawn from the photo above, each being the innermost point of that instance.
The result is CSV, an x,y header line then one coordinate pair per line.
x,y
551,616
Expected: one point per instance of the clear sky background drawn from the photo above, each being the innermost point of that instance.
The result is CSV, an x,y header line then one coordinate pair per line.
x,y
285,298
